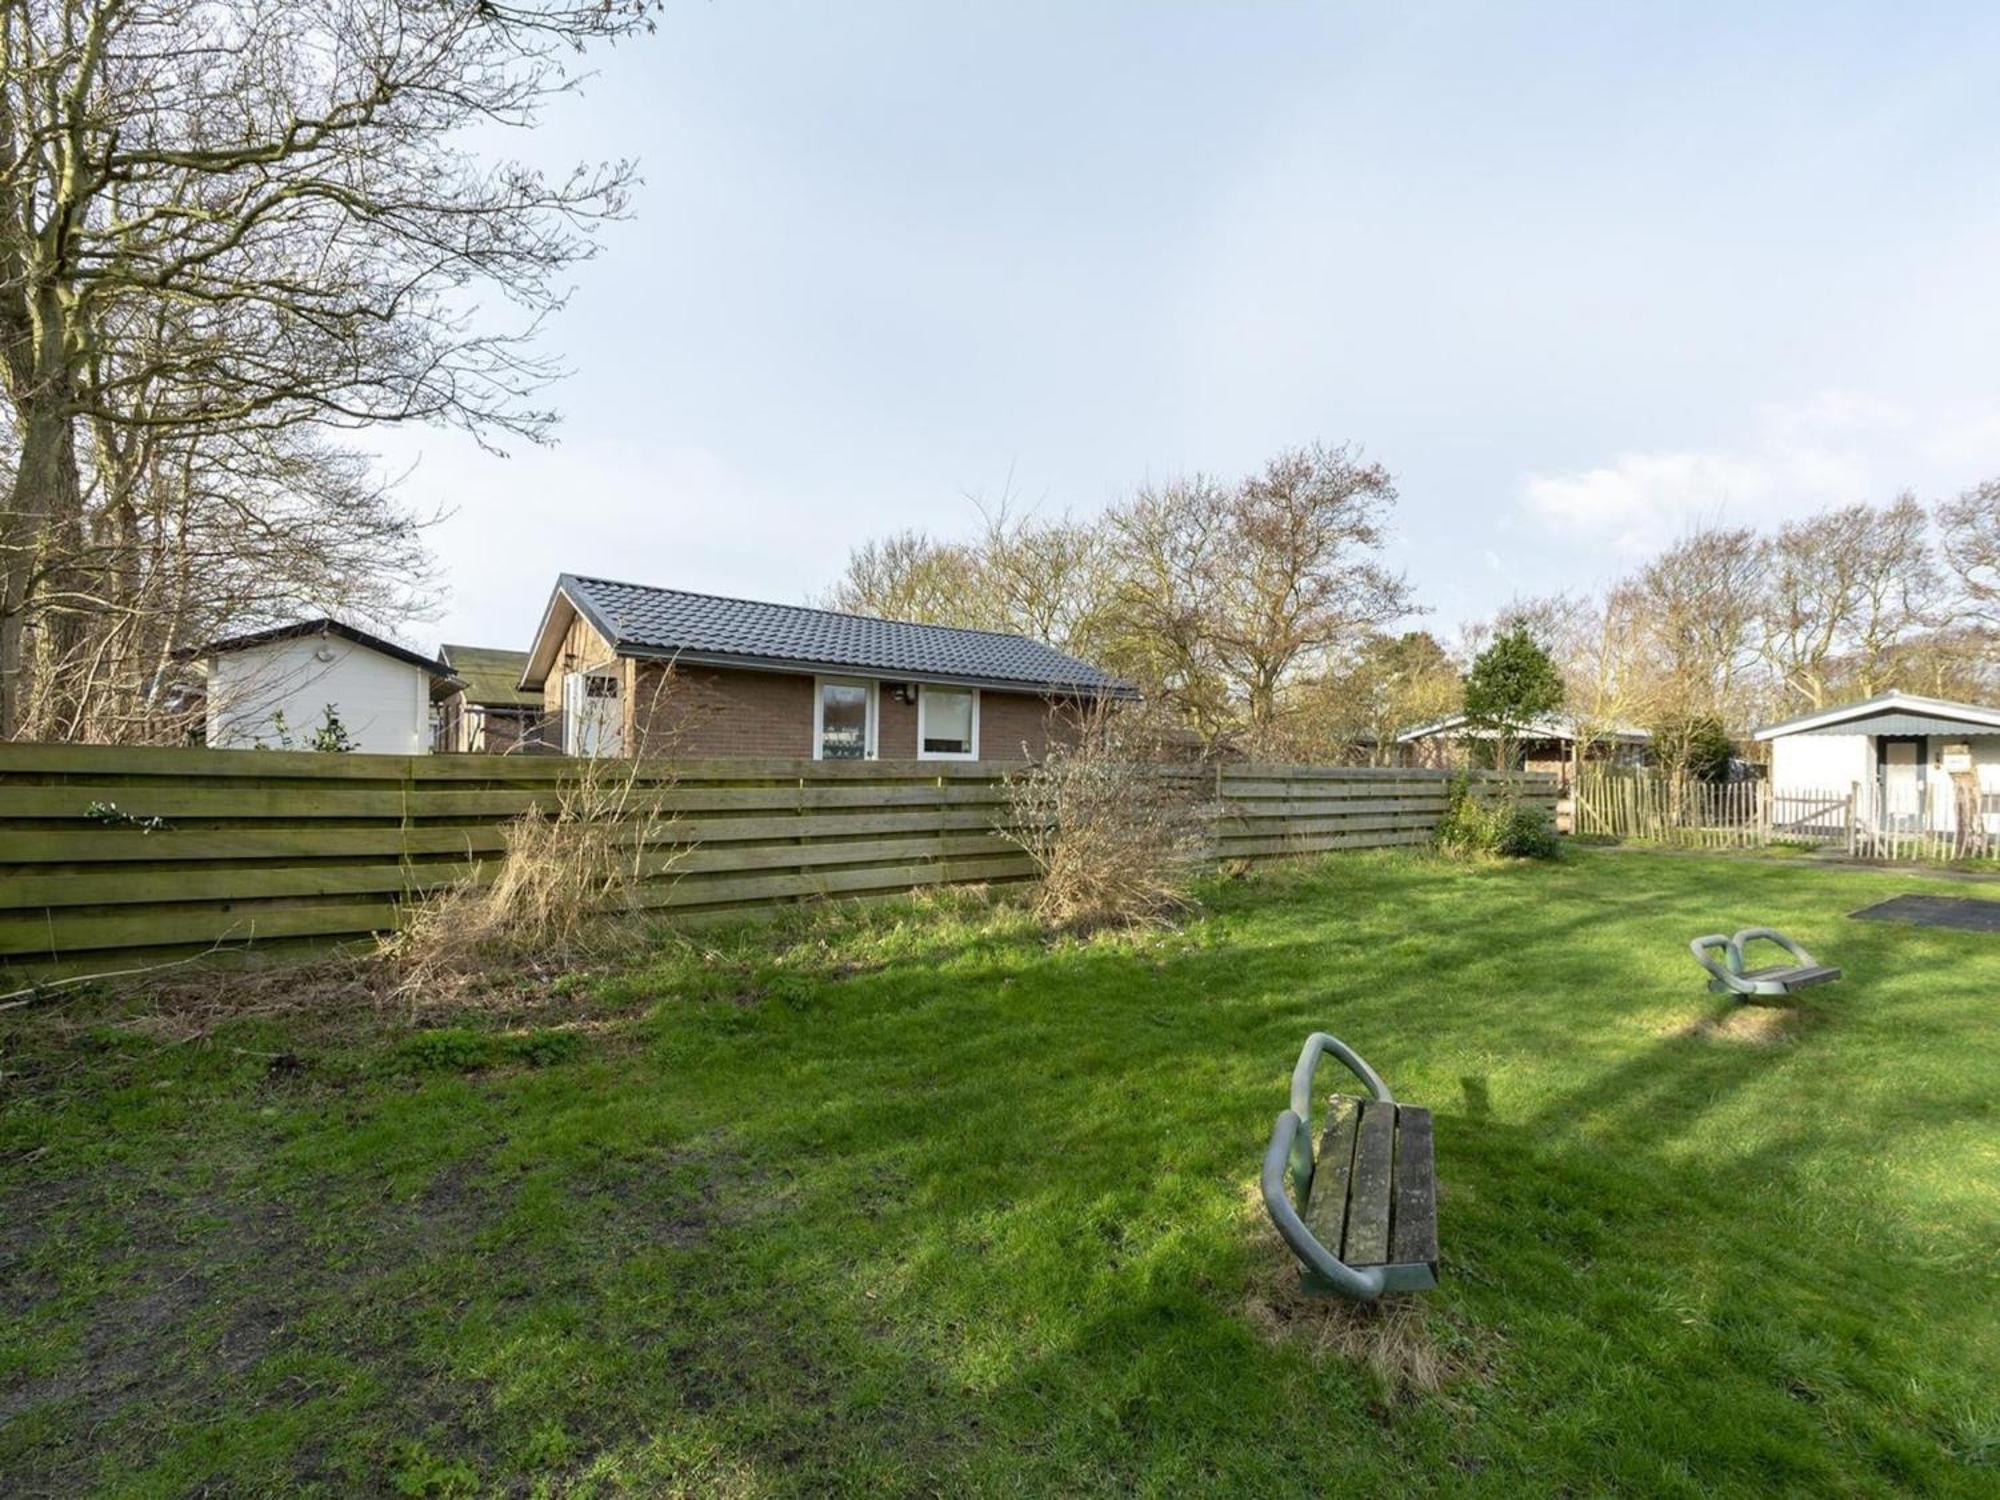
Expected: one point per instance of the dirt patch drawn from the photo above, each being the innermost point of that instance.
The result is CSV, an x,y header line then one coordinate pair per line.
x,y
207,1288
1403,1342
1751,1026
132,1330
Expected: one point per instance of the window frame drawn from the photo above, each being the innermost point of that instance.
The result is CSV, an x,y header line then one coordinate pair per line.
x,y
871,736
575,706
924,691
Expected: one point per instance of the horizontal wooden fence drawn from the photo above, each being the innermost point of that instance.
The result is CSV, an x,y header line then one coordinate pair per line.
x,y
1269,812
113,856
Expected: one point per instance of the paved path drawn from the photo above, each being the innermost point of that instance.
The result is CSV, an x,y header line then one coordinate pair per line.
x,y
1815,861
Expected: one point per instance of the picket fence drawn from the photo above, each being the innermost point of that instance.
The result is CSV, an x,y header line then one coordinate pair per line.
x,y
113,856
1698,815
1864,820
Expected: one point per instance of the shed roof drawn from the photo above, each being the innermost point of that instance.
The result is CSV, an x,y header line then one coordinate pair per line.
x,y
322,626
1891,713
1543,727
491,675
711,630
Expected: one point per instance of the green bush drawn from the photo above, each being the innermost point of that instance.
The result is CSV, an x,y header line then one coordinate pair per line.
x,y
1468,826
1528,832
1518,830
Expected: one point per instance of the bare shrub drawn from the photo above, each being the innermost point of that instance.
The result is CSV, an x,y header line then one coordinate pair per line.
x,y
1114,836
567,890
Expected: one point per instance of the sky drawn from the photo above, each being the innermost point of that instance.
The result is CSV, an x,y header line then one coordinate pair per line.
x,y
1581,276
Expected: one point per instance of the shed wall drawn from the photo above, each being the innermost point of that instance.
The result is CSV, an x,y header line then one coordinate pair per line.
x,y
384,703
1820,762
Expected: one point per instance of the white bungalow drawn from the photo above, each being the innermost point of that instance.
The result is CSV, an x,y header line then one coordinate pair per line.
x,y
1909,761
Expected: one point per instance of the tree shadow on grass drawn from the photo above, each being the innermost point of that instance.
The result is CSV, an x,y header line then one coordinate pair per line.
x,y
981,1217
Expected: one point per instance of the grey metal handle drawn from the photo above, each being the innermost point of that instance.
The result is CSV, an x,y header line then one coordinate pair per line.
x,y
1285,1136
1770,935
1732,955
1317,1046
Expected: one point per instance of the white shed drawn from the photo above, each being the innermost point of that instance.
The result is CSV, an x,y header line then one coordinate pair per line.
x,y
1909,761
274,687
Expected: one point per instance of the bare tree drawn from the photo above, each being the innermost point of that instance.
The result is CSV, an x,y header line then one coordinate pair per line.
x,y
1228,596
1844,590
221,218
1389,683
1552,619
1167,544
911,576
1969,544
1701,600
1604,654
1048,580
1299,576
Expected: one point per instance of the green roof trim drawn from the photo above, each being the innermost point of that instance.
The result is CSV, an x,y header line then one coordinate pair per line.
x,y
1907,723
491,676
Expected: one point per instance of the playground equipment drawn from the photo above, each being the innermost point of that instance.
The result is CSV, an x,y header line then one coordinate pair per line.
x,y
1361,1213
1729,974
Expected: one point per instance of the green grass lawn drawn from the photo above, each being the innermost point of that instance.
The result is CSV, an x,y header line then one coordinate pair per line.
x,y
918,1202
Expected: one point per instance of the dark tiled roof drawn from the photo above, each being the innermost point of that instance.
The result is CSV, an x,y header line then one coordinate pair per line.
x,y
491,675
705,628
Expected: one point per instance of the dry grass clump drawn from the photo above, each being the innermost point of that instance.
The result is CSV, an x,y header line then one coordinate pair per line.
x,y
1114,837
567,889
1402,1343
1751,1026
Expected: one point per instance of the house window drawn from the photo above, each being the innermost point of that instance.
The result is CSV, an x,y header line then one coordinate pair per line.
x,y
844,719
947,723
593,714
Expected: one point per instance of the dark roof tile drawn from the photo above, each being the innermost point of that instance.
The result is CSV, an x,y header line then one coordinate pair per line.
x,y
639,620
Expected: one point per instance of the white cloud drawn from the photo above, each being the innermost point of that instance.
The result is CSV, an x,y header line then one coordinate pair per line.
x,y
1834,449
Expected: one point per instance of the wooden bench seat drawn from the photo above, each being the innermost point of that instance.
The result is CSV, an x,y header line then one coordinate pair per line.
x,y
1792,976
1360,1213
1373,1200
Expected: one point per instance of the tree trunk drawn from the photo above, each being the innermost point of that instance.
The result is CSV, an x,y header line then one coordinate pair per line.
x,y
47,503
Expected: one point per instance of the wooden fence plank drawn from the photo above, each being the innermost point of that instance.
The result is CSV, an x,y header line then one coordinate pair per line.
x,y
114,885
295,845
58,933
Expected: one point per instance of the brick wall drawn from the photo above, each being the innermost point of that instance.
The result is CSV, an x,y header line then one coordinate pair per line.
x,y
697,712
704,712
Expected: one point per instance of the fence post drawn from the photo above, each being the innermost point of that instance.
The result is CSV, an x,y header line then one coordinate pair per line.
x,y
802,870
1853,796
406,873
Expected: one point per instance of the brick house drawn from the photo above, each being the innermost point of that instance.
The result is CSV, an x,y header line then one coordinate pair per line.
x,y
625,668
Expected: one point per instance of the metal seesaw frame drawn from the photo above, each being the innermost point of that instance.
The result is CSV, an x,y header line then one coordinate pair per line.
x,y
1290,1154
1732,976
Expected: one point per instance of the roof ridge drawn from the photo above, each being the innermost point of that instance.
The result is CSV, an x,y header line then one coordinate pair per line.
x,y
812,609
1943,708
